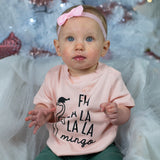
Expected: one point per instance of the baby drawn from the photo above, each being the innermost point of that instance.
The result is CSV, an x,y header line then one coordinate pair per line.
x,y
82,101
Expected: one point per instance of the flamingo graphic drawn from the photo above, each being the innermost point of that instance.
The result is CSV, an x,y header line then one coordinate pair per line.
x,y
59,115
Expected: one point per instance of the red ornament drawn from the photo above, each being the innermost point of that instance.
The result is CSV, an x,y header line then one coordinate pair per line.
x,y
126,17
41,2
106,8
10,46
142,2
64,1
148,52
35,52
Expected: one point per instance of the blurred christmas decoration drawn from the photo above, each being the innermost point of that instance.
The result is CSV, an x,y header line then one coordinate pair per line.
x,y
127,16
10,46
64,1
41,2
35,52
108,9
148,52
34,24
142,2
44,2
149,1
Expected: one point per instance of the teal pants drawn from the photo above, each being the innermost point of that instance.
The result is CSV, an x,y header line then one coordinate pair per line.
x,y
110,153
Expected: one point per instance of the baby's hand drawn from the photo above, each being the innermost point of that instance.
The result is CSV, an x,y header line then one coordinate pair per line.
x,y
39,117
112,112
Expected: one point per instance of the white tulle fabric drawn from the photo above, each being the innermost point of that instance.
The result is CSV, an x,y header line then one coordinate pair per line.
x,y
21,78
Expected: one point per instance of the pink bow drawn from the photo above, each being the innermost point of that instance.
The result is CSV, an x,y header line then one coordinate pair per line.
x,y
75,12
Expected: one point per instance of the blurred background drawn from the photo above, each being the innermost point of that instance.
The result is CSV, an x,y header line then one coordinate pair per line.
x,y
29,27
27,31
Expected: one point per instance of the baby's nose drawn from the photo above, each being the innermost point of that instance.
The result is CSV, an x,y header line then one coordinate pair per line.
x,y
79,46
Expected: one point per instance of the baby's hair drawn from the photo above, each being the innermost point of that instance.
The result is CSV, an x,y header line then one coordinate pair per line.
x,y
90,9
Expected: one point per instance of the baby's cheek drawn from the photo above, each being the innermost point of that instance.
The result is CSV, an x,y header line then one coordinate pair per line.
x,y
94,53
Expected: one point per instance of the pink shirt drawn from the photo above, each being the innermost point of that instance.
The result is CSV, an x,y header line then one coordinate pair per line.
x,y
81,127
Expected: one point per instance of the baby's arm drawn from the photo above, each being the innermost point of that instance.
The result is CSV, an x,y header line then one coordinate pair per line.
x,y
39,116
118,114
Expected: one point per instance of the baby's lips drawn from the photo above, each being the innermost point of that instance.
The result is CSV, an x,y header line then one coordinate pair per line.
x,y
79,58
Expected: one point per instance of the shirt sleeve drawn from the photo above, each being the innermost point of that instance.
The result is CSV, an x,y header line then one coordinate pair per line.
x,y
119,92
45,95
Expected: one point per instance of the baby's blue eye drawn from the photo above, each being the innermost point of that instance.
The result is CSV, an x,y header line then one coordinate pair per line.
x,y
89,39
70,38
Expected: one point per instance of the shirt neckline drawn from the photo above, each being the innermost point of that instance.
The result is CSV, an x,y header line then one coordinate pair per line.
x,y
80,80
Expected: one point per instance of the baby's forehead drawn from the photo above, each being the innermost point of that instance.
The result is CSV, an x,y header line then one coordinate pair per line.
x,y
84,22
81,18
78,29
81,26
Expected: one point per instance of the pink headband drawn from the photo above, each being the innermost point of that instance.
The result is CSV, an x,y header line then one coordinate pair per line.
x,y
77,12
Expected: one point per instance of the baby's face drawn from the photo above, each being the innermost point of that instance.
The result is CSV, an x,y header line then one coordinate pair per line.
x,y
80,44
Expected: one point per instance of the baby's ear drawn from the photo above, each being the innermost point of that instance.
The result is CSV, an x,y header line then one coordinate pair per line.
x,y
57,47
106,46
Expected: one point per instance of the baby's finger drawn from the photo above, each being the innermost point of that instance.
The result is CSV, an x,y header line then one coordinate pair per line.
x,y
112,116
33,123
112,108
36,129
113,121
30,118
52,109
32,112
46,112
27,118
103,107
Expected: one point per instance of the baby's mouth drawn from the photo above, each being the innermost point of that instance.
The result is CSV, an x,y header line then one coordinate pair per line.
x,y
79,58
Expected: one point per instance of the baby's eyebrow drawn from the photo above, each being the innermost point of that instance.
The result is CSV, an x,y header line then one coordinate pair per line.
x,y
69,33
91,34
